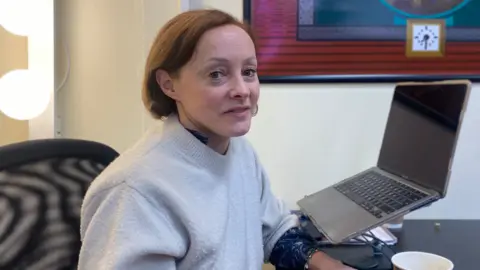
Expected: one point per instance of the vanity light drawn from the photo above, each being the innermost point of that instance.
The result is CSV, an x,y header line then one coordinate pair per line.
x,y
21,97
23,92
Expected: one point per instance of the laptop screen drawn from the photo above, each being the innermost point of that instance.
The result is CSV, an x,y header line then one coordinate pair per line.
x,y
421,132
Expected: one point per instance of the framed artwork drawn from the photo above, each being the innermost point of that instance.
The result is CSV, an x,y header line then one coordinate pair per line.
x,y
375,41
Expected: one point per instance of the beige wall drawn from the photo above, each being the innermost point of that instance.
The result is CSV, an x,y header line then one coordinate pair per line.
x,y
308,136
13,55
101,100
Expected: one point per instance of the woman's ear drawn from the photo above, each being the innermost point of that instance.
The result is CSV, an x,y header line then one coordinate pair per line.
x,y
165,81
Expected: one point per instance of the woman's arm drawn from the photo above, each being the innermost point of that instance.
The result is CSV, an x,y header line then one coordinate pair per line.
x,y
285,245
292,249
296,248
121,230
276,218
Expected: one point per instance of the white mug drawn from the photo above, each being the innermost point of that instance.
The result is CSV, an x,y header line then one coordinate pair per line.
x,y
414,260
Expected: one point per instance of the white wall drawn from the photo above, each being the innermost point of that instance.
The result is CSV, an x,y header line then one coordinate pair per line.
x,y
312,141
107,45
41,59
308,137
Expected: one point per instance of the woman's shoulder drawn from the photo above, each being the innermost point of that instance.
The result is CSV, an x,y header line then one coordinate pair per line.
x,y
243,146
246,149
153,168
132,178
134,168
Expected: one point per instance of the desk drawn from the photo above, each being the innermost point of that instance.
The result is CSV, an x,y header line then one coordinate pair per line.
x,y
457,240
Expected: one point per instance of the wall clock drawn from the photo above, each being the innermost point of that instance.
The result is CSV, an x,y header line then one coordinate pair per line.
x,y
425,38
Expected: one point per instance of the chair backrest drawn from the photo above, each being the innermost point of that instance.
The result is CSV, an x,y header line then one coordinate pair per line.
x,y
42,185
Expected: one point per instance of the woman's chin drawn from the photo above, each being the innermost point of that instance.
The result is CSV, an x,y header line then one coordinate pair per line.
x,y
238,129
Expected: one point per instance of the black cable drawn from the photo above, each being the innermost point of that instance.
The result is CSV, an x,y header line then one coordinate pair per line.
x,y
378,246
369,262
370,234
378,252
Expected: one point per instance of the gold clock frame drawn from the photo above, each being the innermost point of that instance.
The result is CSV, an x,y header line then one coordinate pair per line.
x,y
442,39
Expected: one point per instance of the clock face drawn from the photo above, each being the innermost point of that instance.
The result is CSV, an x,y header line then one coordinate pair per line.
x,y
425,7
426,38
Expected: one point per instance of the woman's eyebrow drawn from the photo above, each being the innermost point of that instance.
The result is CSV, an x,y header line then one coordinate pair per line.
x,y
218,60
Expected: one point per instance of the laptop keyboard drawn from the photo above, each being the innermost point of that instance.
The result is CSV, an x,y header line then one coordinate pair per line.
x,y
378,194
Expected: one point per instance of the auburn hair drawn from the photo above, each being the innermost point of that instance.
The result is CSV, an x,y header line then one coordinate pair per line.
x,y
173,48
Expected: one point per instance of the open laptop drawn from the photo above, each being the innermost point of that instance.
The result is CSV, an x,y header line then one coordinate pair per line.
x,y
413,167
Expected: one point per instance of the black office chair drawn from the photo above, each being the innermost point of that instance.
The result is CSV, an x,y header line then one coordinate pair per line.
x,y
42,185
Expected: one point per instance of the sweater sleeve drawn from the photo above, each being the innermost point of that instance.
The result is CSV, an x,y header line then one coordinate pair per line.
x,y
291,250
276,217
121,230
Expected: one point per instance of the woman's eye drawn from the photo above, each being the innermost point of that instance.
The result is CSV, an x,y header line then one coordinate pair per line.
x,y
215,75
250,72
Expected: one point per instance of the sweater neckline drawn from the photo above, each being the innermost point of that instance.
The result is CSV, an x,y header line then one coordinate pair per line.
x,y
191,148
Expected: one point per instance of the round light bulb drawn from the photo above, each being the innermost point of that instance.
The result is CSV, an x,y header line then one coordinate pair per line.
x,y
23,95
18,16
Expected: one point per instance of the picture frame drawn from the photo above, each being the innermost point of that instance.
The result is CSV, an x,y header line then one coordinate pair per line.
x,y
303,41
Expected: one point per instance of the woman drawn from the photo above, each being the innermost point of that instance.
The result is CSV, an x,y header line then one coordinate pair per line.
x,y
191,194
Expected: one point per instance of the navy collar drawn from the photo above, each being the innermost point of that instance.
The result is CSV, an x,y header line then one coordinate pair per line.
x,y
198,135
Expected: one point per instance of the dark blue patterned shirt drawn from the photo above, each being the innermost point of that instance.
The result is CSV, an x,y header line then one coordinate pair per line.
x,y
291,250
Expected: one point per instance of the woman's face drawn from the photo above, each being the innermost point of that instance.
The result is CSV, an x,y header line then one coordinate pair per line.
x,y
217,91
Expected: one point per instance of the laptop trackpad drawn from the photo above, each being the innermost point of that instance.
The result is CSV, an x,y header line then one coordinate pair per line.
x,y
342,216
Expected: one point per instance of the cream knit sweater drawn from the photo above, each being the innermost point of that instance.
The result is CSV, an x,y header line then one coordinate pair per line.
x,y
171,202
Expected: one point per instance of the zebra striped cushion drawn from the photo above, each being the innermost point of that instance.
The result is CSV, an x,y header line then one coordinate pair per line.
x,y
40,213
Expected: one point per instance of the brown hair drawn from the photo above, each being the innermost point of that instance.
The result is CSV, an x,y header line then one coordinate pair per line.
x,y
173,48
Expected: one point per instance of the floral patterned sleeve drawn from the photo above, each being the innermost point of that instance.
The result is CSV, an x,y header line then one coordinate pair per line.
x,y
291,250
